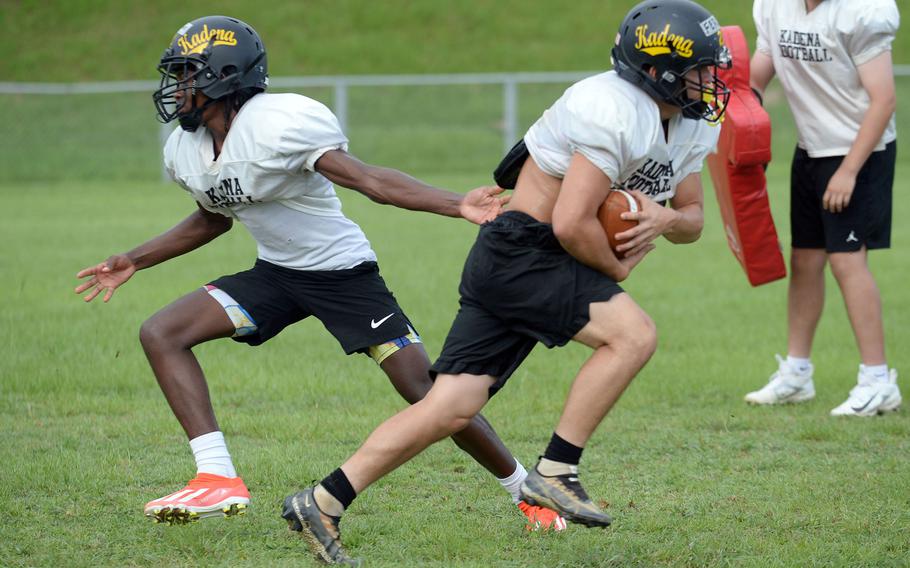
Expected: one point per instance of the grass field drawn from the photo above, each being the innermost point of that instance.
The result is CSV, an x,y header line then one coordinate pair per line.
x,y
692,475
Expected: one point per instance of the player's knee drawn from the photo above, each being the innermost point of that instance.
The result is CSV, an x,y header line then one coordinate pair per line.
x,y
449,417
412,386
847,263
149,335
647,342
640,337
154,335
440,419
806,262
457,424
409,375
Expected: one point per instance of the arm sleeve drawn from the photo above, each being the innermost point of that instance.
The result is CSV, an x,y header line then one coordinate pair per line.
x,y
312,130
694,160
602,141
762,42
170,157
872,31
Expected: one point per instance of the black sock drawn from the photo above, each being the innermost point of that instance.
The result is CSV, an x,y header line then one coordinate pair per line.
x,y
561,451
338,486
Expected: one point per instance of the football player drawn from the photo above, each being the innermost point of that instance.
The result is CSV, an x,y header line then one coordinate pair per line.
x,y
833,59
269,161
543,272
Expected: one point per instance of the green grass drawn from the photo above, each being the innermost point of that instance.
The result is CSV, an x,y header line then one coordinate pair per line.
x,y
692,475
78,40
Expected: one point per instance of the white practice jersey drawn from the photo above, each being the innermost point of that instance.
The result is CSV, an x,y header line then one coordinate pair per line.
x,y
617,126
815,57
265,179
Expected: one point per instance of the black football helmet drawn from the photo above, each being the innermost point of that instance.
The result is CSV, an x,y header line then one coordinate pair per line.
x,y
673,37
216,55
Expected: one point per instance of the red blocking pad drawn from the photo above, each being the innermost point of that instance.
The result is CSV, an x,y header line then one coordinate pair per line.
x,y
737,170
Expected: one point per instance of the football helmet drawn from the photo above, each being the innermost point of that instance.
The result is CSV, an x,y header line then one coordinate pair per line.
x,y
660,41
216,55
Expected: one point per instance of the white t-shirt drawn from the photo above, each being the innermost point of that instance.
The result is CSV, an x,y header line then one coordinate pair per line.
x,y
617,126
815,57
264,178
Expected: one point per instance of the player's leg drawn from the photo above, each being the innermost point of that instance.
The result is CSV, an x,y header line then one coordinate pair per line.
x,y
357,307
806,290
865,224
250,306
478,348
167,338
863,302
408,369
792,381
876,390
448,408
805,299
623,337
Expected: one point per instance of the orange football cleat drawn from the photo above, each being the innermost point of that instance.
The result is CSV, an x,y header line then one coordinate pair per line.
x,y
207,495
541,518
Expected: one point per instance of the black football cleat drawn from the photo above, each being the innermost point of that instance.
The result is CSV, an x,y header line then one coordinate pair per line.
x,y
564,494
318,529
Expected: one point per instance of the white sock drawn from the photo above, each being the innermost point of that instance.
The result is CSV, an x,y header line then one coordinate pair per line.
x,y
212,455
512,484
878,373
799,364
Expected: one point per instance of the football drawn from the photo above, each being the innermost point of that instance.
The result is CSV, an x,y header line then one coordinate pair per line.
x,y
618,201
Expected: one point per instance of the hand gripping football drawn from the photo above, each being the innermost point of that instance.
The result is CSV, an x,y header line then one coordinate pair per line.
x,y
618,202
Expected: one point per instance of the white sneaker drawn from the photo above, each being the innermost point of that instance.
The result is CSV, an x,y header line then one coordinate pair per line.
x,y
785,386
869,398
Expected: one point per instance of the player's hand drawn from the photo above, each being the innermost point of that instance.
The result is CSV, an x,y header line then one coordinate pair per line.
x,y
483,204
840,190
653,221
105,277
631,261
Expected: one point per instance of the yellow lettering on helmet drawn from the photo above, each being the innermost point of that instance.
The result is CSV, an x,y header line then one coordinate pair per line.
x,y
197,42
661,43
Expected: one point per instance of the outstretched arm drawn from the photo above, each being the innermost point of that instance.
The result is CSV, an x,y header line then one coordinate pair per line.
x,y
388,186
199,228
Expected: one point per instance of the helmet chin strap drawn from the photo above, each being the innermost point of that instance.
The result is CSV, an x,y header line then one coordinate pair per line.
x,y
190,121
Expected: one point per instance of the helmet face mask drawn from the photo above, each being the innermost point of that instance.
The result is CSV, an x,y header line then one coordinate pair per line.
x,y
180,80
661,44
217,56
711,94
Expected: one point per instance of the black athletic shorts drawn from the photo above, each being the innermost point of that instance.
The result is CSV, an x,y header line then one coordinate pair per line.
x,y
353,304
865,221
518,287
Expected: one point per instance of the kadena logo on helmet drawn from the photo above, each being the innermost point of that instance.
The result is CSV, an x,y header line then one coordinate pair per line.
x,y
655,43
197,42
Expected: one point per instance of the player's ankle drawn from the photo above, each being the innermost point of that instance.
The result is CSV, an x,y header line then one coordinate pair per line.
x,y
334,494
